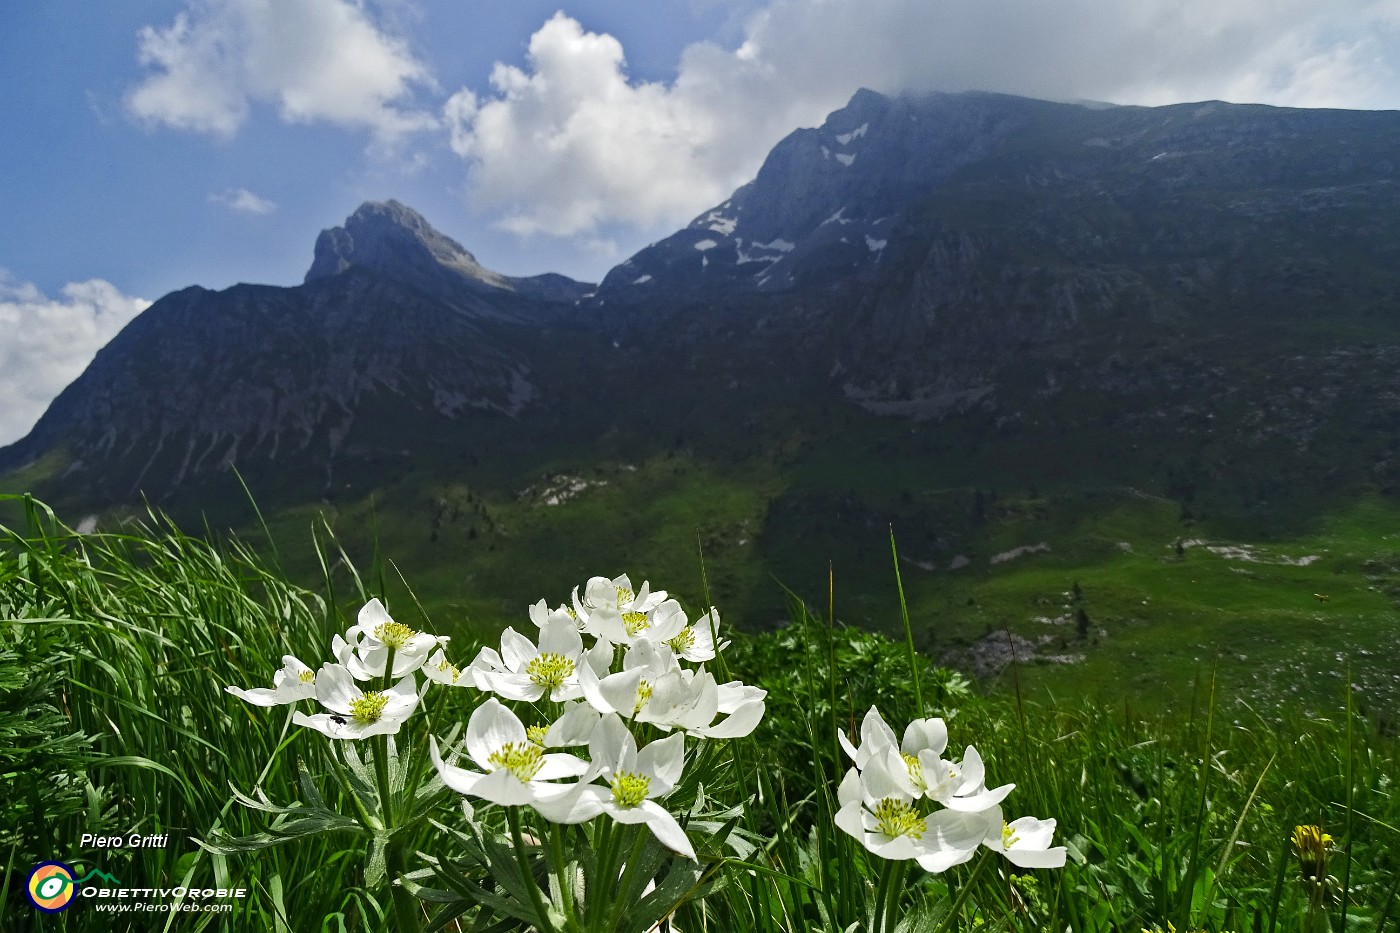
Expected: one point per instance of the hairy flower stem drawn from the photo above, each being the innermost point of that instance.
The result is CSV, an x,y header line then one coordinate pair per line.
x,y
967,887
604,849
367,820
560,866
892,897
882,893
381,777
527,877
406,910
420,762
633,857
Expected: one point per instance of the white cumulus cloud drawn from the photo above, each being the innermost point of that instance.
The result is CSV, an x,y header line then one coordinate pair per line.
x,y
49,342
316,60
242,201
570,143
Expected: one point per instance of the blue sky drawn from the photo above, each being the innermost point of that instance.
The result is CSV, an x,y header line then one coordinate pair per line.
x,y
152,144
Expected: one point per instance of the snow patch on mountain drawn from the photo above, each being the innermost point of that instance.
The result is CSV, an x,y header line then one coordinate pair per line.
x,y
845,138
716,222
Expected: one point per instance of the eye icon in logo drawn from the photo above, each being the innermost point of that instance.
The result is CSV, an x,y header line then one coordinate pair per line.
x,y
50,887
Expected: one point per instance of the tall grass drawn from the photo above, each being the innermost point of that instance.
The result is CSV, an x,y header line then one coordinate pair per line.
x,y
1184,818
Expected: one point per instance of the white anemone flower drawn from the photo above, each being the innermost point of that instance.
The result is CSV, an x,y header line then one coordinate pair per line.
x,y
875,737
959,785
354,713
514,770
295,681
441,671
638,694
735,694
886,821
698,716
610,604
1024,842
659,624
602,593
487,659
574,727
696,642
541,615
365,649
635,780
529,672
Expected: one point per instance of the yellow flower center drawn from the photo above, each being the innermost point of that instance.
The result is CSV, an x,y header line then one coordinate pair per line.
x,y
367,709
307,677
635,622
550,670
521,759
1008,836
916,769
536,735
629,789
624,596
644,692
449,669
394,635
683,641
897,818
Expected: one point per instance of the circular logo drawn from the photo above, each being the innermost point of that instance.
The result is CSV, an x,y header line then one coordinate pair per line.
x,y
50,887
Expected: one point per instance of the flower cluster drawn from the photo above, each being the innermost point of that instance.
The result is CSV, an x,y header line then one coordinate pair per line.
x,y
904,800
615,660
612,665
376,649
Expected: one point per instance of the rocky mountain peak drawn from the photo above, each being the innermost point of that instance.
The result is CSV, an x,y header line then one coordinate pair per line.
x,y
391,237
827,199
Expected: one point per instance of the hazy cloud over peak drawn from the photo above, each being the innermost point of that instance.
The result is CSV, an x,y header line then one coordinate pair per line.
x,y
570,144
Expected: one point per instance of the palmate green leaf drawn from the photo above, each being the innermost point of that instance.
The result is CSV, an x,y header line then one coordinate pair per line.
x,y
290,822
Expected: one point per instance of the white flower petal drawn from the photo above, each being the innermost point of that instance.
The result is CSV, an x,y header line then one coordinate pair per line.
x,y
258,696
490,728
502,787
931,734
663,760
373,615
738,724
1036,858
516,649
563,638
611,747
574,727
335,688
559,765
459,779
662,824
570,803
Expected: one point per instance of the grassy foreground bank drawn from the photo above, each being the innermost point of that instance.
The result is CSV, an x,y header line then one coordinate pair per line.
x,y
115,651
